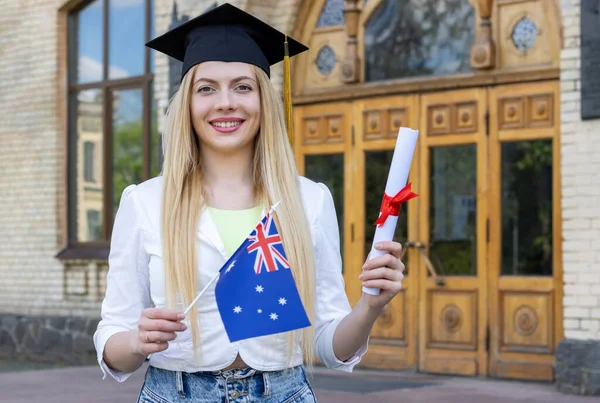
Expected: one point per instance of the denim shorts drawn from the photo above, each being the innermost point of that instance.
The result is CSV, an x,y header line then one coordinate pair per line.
x,y
232,386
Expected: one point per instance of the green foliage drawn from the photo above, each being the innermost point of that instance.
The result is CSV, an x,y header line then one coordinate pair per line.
x,y
127,158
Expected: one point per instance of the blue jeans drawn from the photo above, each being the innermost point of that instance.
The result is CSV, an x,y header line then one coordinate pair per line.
x,y
232,386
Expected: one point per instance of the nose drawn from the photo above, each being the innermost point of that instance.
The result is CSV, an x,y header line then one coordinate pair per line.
x,y
225,101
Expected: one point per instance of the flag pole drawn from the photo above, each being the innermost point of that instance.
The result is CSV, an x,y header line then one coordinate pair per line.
x,y
200,294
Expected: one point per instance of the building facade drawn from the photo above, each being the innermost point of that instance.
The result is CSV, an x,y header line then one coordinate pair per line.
x,y
501,246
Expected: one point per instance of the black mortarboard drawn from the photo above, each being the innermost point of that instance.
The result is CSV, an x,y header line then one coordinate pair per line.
x,y
226,34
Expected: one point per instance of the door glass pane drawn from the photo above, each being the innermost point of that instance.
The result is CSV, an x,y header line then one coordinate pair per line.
x,y
126,38
86,54
86,179
407,38
527,208
453,210
377,166
329,170
127,144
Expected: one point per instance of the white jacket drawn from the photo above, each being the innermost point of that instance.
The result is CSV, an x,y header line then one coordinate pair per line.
x,y
135,281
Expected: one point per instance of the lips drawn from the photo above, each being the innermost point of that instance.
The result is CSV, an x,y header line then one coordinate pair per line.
x,y
227,125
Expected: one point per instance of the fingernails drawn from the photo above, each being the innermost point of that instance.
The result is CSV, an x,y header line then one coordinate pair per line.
x,y
180,316
378,245
183,326
361,277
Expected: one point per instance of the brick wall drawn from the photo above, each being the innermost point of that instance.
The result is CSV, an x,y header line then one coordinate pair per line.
x,y
580,170
31,278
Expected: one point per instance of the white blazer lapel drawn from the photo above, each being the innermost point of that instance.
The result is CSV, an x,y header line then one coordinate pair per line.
x,y
208,230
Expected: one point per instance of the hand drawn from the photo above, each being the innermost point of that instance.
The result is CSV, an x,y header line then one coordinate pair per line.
x,y
383,272
156,328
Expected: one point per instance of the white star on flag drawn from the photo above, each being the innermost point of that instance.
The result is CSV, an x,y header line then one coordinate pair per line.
x,y
259,288
259,311
237,309
273,316
282,301
230,267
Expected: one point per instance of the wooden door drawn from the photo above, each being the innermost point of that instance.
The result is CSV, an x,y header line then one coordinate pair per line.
x,y
322,147
393,343
482,293
452,226
525,266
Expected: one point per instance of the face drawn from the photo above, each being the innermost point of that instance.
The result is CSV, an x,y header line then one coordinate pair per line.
x,y
225,106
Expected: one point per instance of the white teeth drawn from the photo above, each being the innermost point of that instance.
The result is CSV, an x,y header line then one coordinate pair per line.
x,y
227,124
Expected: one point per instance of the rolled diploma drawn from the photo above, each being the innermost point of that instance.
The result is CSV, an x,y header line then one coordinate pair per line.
x,y
397,178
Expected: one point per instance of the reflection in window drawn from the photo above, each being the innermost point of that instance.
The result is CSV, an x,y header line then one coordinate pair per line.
x,y
377,166
127,150
329,170
453,210
527,208
102,113
94,225
407,38
86,42
85,187
88,161
156,155
126,39
332,14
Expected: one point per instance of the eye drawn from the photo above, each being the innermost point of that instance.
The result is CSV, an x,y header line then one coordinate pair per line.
x,y
243,88
205,89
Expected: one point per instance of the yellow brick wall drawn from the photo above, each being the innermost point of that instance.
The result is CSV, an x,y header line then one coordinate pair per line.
x,y
580,170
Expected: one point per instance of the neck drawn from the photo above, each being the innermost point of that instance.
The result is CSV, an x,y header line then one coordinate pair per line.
x,y
228,179
227,168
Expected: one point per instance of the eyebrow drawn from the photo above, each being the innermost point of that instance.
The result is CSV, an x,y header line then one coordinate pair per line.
x,y
235,80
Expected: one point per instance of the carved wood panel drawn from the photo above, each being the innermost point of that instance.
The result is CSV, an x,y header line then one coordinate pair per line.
x,y
391,324
384,123
526,321
526,112
452,118
452,319
323,129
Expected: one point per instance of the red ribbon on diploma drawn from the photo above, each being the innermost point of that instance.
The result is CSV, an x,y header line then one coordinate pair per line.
x,y
391,205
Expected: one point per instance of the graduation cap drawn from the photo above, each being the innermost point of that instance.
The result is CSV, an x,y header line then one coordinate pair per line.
x,y
228,34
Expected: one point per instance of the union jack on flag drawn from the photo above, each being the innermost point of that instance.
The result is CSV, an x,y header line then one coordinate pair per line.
x,y
255,298
266,242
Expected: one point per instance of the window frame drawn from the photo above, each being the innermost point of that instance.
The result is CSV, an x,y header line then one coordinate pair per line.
x,y
71,248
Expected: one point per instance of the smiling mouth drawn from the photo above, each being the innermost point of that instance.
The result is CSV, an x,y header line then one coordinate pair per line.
x,y
227,125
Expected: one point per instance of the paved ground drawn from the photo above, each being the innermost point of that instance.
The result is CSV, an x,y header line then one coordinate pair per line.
x,y
83,384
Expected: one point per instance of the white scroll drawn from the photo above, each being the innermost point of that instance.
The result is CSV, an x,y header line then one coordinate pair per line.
x,y
397,178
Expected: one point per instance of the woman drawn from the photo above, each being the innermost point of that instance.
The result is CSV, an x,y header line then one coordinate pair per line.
x,y
227,159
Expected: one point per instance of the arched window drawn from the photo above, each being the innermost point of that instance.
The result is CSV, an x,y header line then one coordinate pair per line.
x,y
408,38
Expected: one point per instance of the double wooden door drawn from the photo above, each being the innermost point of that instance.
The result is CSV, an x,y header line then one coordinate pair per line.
x,y
482,291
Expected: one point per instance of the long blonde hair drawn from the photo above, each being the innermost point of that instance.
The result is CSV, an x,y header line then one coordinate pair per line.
x,y
275,179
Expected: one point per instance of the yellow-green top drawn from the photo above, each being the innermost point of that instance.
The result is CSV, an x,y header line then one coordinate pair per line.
x,y
235,225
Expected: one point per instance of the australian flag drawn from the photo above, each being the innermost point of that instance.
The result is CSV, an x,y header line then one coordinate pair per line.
x,y
256,293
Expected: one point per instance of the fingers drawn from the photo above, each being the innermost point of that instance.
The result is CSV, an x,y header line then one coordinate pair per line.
x,y
390,246
156,328
381,273
391,287
162,313
151,348
157,337
387,260
161,325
